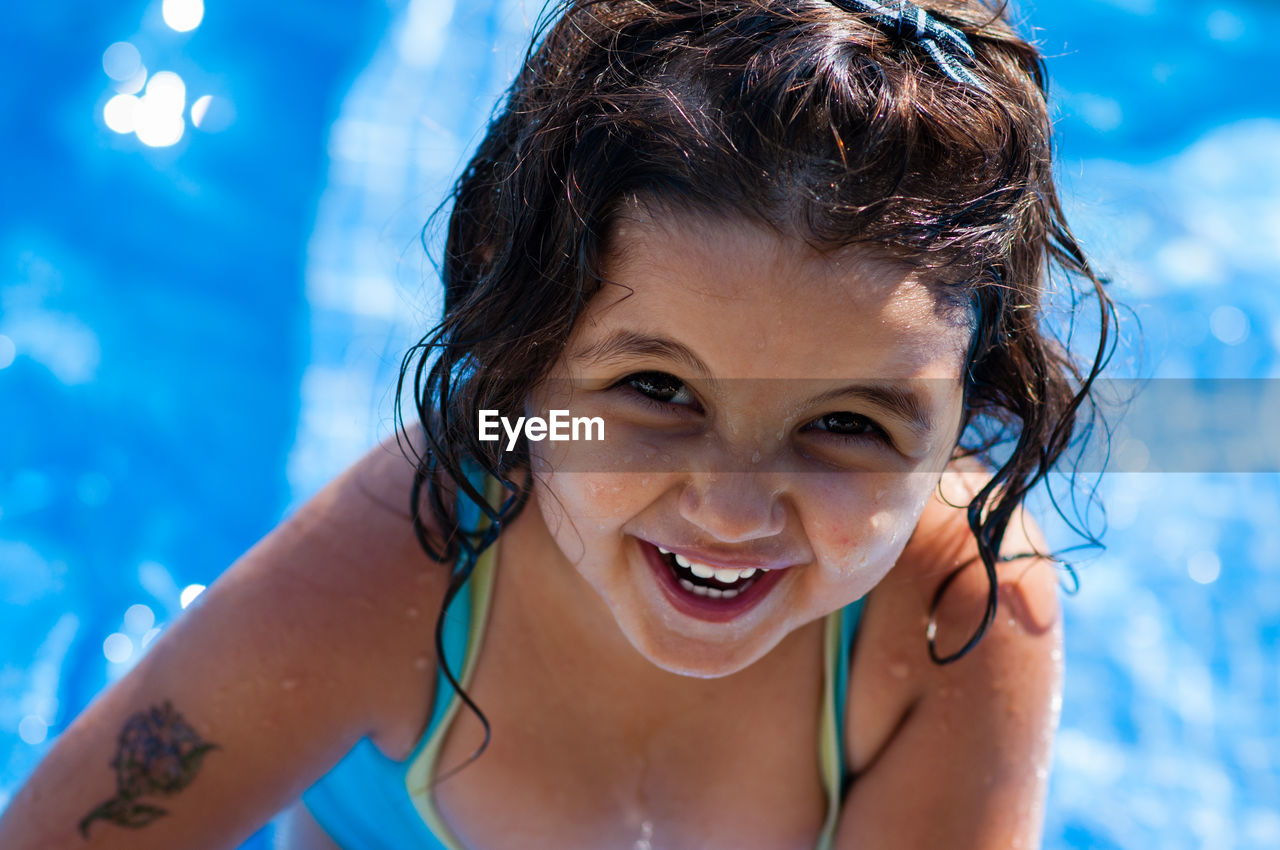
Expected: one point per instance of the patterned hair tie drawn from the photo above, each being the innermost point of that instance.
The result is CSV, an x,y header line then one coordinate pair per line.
x,y
946,45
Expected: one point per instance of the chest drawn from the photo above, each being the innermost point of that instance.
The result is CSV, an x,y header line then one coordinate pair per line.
x,y
576,761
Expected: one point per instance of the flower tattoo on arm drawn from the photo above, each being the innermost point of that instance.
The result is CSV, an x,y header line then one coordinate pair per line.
x,y
158,753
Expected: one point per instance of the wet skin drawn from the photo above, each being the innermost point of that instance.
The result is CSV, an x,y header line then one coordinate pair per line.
x,y
722,447
613,710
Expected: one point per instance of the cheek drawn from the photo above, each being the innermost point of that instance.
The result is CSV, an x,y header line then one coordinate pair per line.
x,y
585,512
863,523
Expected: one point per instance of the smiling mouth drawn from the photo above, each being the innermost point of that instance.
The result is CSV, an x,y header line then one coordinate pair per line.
x,y
705,592
703,580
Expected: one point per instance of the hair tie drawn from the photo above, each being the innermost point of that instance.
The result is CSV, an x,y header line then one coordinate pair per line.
x,y
946,45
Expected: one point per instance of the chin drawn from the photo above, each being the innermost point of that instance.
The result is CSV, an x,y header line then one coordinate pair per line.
x,y
695,667
687,656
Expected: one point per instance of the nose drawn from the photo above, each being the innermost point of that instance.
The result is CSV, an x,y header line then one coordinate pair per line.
x,y
733,507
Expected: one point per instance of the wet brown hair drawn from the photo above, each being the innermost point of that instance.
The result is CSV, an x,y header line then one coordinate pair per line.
x,y
793,113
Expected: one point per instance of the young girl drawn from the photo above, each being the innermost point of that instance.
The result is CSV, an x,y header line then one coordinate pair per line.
x,y
784,261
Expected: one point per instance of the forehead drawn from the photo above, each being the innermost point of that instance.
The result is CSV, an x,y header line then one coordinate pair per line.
x,y
755,303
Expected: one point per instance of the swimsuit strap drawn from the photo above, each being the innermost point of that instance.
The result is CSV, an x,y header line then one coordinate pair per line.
x,y
850,617
839,633
459,633
464,628
351,802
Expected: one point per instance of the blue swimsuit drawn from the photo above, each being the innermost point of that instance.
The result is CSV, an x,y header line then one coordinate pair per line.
x,y
371,802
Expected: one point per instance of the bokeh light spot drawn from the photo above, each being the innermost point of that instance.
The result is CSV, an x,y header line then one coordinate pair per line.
x,y
121,61
33,730
139,618
1204,567
1224,25
151,635
212,114
183,15
199,108
167,91
1229,324
117,648
1132,455
1103,114
7,352
1190,262
134,84
119,113
189,594
157,115
158,128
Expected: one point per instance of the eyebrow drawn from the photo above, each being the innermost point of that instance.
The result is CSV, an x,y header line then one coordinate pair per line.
x,y
901,402
633,344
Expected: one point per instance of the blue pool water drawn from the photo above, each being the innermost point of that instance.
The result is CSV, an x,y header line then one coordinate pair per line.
x,y
195,336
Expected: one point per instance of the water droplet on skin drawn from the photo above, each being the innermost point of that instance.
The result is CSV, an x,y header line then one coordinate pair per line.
x,y
411,613
421,663
1041,773
899,670
288,684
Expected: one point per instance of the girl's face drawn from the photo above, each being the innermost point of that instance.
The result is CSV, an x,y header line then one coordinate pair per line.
x,y
765,408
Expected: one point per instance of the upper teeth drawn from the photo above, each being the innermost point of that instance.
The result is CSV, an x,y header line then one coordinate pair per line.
x,y
704,571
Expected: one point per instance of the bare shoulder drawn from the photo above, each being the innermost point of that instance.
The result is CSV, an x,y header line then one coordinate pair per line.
x,y
943,543
954,755
357,533
354,547
891,669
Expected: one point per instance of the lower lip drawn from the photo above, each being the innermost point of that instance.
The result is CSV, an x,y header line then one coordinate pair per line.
x,y
704,607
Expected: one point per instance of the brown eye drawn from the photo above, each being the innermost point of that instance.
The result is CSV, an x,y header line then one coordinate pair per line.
x,y
659,387
849,425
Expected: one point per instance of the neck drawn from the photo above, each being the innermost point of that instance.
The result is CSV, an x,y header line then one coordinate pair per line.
x,y
562,624
561,613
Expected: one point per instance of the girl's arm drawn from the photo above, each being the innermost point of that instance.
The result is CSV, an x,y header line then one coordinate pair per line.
x,y
965,763
282,664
